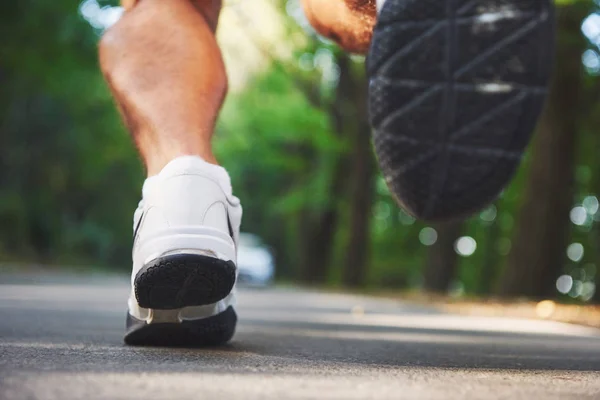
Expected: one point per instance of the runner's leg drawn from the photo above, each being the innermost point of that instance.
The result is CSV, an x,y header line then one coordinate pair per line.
x,y
165,69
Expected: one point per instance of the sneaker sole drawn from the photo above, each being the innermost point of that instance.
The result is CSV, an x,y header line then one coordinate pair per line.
x,y
183,280
211,331
455,91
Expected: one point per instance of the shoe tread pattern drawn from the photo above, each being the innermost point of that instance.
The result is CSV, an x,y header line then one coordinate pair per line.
x,y
184,280
448,144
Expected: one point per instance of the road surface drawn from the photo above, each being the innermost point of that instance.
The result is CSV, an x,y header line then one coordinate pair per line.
x,y
62,339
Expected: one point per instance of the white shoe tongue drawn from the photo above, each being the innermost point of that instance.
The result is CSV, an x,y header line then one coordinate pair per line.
x,y
380,5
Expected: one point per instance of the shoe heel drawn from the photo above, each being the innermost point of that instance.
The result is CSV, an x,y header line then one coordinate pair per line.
x,y
183,280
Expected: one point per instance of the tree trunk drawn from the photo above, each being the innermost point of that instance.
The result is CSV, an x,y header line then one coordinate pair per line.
x,y
540,240
319,229
320,238
595,232
442,260
356,257
490,259
362,176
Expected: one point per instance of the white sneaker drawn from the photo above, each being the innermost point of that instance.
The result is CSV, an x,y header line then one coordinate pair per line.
x,y
186,230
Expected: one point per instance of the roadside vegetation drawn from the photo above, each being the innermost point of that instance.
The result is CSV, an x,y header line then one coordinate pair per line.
x,y
295,137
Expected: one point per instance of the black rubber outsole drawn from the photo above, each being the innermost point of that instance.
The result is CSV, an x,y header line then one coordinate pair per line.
x,y
183,280
212,331
455,91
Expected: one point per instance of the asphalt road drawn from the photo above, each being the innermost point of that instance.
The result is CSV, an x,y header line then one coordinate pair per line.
x,y
62,339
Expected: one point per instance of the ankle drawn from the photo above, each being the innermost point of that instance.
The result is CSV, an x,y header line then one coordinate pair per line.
x,y
155,164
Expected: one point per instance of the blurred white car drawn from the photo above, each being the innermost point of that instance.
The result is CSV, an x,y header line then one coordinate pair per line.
x,y
255,261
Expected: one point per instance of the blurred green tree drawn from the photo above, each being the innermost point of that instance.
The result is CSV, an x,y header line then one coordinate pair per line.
x,y
538,254
296,142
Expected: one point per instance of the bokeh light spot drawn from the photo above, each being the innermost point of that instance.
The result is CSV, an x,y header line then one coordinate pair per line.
x,y
405,219
489,214
465,246
428,236
382,210
577,289
545,309
575,252
588,290
591,61
591,205
591,28
100,17
564,284
579,215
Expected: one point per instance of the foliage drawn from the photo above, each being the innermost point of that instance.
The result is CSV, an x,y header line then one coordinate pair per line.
x,y
62,146
70,177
